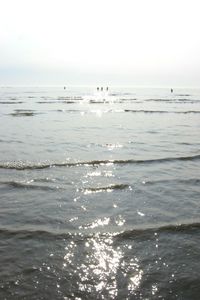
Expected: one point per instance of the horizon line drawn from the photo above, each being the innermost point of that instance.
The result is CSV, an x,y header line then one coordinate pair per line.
x,y
97,85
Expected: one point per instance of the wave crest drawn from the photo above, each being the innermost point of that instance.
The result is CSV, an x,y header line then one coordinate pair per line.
x,y
141,233
20,165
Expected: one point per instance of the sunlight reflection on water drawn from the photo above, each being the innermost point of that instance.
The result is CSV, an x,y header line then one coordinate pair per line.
x,y
104,263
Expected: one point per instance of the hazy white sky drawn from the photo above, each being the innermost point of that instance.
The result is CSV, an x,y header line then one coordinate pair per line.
x,y
125,42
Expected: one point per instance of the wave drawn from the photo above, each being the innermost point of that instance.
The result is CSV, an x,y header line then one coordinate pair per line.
x,y
162,111
27,186
121,94
189,112
52,102
98,101
182,100
137,233
46,102
32,166
71,98
36,234
11,141
171,228
113,101
69,110
24,113
193,181
11,102
24,110
108,188
128,99
44,180
167,99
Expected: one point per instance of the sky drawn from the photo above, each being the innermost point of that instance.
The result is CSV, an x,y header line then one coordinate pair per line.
x,y
92,42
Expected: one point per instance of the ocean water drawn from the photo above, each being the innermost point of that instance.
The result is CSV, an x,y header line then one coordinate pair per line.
x,y
99,193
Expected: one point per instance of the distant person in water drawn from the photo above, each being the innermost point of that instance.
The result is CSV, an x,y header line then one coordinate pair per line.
x,y
107,88
98,89
171,90
64,87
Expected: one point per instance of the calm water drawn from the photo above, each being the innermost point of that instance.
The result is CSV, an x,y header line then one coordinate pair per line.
x,y
99,193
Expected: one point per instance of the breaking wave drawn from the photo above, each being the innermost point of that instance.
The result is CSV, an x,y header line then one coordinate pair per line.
x,y
20,165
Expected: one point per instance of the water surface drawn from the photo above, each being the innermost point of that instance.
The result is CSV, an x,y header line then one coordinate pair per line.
x,y
99,193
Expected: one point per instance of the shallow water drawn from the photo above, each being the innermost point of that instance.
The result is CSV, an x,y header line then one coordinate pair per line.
x,y
99,193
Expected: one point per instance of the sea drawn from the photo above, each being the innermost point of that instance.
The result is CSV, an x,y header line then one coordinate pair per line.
x,y
99,193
